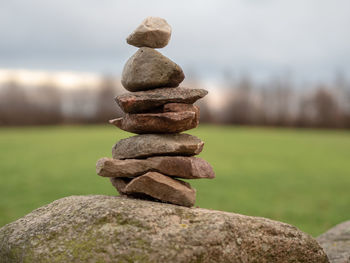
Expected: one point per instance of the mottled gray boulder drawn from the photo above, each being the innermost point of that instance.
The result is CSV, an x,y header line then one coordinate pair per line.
x,y
142,101
164,122
149,69
175,166
153,32
114,229
147,145
336,243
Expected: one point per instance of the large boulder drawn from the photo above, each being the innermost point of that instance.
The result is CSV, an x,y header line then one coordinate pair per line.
x,y
114,229
336,243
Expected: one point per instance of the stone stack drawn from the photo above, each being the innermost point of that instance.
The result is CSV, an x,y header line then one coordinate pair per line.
x,y
147,165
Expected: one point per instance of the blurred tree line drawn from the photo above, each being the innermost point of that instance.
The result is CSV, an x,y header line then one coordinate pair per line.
x,y
278,102
48,104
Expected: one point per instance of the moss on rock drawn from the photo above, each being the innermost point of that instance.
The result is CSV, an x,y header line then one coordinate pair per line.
x,y
116,229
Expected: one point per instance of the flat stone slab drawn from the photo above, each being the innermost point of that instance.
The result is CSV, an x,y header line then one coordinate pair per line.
x,y
153,32
163,188
110,229
167,122
147,145
180,107
336,243
143,101
175,166
120,183
149,69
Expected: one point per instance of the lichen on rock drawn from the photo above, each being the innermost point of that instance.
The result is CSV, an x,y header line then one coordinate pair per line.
x,y
115,229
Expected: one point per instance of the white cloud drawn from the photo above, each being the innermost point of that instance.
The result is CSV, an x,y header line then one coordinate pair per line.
x,y
309,37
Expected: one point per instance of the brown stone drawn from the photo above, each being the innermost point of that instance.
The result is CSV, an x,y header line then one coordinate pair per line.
x,y
168,122
149,69
142,101
146,145
120,183
163,188
175,166
153,32
179,107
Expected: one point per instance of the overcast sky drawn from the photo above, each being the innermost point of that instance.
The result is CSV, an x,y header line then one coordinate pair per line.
x,y
308,38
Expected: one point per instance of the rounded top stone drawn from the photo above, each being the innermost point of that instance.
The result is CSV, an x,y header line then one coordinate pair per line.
x,y
153,32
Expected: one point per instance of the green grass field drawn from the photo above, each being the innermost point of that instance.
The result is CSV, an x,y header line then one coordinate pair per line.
x,y
301,177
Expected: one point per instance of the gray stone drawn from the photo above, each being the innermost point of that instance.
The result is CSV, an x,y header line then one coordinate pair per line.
x,y
153,32
115,229
146,145
143,101
149,69
174,166
167,122
336,243
163,188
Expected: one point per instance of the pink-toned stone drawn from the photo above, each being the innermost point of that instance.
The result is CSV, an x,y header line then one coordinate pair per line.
x,y
146,101
163,188
174,166
167,122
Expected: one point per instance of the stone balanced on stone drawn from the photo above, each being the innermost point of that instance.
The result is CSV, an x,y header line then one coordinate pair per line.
x,y
148,165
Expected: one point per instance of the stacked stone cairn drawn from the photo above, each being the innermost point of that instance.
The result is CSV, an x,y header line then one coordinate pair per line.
x,y
149,164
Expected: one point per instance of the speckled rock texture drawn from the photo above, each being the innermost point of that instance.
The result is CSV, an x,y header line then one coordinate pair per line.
x,y
147,145
165,122
336,243
161,187
143,101
175,166
149,69
115,229
153,32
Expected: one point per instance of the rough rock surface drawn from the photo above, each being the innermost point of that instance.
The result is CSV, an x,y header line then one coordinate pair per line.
x,y
167,122
180,107
147,145
120,183
142,101
162,188
336,243
116,229
175,166
149,69
153,32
